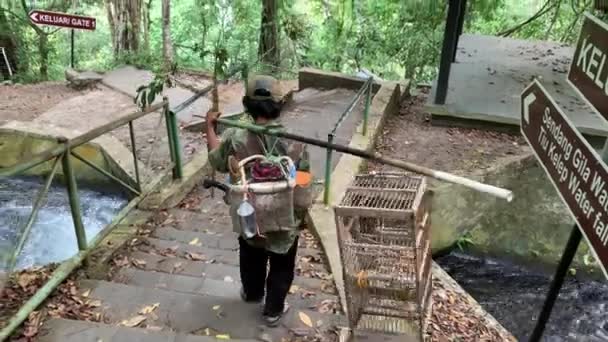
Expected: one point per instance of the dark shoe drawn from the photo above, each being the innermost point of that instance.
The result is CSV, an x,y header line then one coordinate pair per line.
x,y
274,319
248,300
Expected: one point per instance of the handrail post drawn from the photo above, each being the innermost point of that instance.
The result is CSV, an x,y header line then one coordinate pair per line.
x,y
73,197
134,151
368,99
172,136
327,183
179,173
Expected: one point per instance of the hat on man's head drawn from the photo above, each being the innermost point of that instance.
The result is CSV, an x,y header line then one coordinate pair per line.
x,y
261,87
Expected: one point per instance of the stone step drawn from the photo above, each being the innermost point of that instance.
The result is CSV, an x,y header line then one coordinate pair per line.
x,y
191,250
64,330
201,285
197,314
209,239
215,271
218,240
204,220
229,286
168,264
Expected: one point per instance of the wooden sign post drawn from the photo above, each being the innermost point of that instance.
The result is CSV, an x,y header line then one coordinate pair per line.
x,y
62,20
577,172
72,21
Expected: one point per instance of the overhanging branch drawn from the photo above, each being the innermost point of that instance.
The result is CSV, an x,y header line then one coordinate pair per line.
x,y
543,10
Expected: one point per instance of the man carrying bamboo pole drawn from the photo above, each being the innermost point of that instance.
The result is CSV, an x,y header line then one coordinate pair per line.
x,y
278,244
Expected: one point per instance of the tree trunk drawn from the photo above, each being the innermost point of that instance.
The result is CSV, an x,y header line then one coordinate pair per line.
x,y
167,43
268,49
43,50
146,21
124,17
9,42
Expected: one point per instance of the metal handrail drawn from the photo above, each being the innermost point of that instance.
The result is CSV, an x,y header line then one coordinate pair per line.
x,y
75,142
64,151
367,89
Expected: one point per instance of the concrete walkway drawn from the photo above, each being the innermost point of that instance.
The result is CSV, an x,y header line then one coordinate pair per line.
x,y
490,73
128,78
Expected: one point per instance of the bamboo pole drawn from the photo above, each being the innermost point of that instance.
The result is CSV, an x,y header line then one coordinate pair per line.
x,y
215,106
377,157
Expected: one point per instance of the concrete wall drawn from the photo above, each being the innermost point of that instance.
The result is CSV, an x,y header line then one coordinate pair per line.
x,y
17,146
313,78
533,228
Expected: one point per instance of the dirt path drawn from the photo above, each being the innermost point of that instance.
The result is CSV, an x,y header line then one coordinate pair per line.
x,y
26,102
410,136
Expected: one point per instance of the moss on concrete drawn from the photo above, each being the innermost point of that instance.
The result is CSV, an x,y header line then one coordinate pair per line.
x,y
533,228
18,146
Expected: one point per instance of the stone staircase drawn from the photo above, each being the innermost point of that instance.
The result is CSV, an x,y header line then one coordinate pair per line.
x,y
181,283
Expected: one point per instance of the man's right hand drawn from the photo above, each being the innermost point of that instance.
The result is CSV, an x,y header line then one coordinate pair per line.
x,y
211,121
212,117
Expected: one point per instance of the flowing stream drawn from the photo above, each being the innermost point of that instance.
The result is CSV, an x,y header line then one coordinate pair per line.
x,y
52,238
514,295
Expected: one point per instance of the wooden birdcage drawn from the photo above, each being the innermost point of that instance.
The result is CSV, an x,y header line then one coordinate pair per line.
x,y
383,224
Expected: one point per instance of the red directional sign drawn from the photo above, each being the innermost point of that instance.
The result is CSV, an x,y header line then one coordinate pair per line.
x,y
62,19
573,166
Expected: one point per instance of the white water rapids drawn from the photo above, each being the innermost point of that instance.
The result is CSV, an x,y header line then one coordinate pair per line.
x,y
52,238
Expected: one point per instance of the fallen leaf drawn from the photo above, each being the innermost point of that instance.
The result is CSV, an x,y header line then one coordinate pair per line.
x,y
265,337
94,303
154,328
194,242
216,307
25,279
33,324
293,289
222,337
148,309
138,263
171,251
228,279
176,267
305,319
207,331
133,321
122,261
86,293
196,256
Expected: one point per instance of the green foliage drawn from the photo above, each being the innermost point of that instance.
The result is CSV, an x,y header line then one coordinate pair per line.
x,y
464,241
146,94
392,38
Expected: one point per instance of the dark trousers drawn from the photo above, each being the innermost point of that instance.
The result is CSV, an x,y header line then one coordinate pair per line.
x,y
257,279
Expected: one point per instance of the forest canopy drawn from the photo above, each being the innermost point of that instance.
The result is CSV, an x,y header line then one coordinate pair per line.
x,y
392,38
